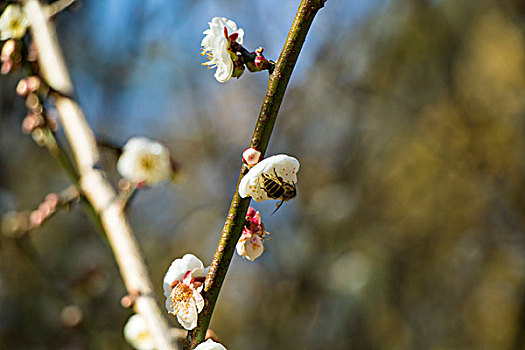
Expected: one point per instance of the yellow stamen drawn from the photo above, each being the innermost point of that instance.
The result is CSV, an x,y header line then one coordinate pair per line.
x,y
181,297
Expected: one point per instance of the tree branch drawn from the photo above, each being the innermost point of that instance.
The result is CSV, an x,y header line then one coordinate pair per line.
x,y
263,129
92,182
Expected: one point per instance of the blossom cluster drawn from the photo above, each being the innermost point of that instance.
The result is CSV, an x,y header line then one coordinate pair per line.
x,y
144,162
222,47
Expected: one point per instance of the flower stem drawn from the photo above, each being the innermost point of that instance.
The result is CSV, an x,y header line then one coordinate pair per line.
x,y
261,136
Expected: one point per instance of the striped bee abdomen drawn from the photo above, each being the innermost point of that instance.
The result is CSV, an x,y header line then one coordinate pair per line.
x,y
272,187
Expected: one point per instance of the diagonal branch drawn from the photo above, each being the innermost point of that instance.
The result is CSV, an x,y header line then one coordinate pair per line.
x,y
263,129
92,182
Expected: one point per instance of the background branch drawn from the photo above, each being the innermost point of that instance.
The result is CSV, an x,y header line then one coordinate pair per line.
x,y
263,129
92,182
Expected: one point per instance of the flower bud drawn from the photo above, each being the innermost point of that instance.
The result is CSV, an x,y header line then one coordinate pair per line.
x,y
261,62
30,122
71,316
36,218
52,199
22,89
251,156
45,208
8,49
7,65
33,83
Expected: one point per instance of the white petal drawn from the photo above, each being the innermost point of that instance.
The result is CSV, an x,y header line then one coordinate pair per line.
x,y
137,333
169,304
178,269
189,262
210,345
250,246
199,300
223,62
200,272
188,318
254,248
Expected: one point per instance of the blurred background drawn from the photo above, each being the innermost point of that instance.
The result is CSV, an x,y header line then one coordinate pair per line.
x,y
408,229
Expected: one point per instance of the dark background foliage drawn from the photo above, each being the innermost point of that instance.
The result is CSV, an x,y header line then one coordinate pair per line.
x,y
408,229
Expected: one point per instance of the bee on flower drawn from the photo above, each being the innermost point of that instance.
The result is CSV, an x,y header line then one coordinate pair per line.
x,y
271,178
216,46
145,162
251,243
13,23
183,284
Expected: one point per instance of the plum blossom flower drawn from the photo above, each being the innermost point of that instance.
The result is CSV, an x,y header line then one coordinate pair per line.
x,y
183,284
137,333
13,23
216,46
144,161
210,345
251,243
281,167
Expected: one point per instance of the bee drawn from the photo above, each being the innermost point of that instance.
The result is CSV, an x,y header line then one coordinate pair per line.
x,y
277,188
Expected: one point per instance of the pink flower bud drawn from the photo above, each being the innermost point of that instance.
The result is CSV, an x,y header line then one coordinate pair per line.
x,y
36,218
30,122
45,209
22,89
8,49
33,83
251,212
251,156
6,67
52,199
261,62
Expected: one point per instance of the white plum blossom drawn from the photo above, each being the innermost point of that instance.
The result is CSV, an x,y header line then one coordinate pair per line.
x,y
137,333
216,46
210,345
13,23
144,161
281,165
251,242
183,284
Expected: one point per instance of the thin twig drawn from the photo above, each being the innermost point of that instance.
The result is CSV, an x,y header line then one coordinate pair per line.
x,y
92,182
16,224
263,129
